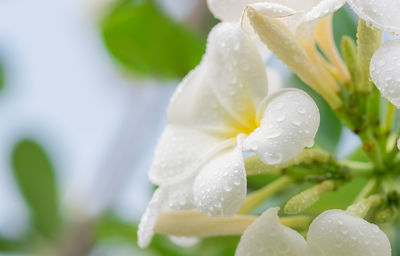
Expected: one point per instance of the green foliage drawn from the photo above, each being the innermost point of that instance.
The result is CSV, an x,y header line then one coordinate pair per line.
x,y
149,43
109,228
34,174
330,128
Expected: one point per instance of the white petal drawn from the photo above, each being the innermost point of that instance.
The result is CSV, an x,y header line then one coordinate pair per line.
x,y
180,152
336,232
290,122
266,236
221,95
324,8
385,70
275,80
149,218
220,188
383,14
180,195
228,10
273,10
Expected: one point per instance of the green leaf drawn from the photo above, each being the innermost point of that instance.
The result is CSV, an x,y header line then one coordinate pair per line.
x,y
149,43
34,174
330,128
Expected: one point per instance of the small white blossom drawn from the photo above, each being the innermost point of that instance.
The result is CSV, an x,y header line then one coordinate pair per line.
x,y
221,109
333,233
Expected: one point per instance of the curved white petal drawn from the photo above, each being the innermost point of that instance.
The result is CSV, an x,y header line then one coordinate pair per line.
x,y
220,188
290,123
180,152
322,9
227,10
220,96
336,232
383,14
180,195
273,10
149,218
175,197
385,70
266,236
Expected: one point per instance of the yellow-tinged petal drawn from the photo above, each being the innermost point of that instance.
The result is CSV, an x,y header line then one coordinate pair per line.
x,y
289,123
222,94
325,40
286,47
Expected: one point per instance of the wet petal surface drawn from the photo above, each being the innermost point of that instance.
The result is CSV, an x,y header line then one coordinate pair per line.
x,y
220,188
336,232
383,14
385,71
266,236
290,123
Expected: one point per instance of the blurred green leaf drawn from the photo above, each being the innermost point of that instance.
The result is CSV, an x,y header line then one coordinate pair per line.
x,y
109,228
330,128
34,174
149,43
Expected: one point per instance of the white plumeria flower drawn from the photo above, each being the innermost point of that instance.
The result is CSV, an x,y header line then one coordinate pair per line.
x,y
220,110
333,233
383,14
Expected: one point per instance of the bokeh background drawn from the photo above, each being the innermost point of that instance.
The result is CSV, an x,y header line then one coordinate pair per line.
x,y
84,85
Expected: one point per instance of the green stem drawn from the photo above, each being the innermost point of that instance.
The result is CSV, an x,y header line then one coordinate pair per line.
x,y
255,199
358,168
307,198
367,190
371,148
255,166
390,115
368,41
362,208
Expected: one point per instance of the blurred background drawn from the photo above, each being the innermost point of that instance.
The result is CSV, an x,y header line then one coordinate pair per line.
x,y
84,86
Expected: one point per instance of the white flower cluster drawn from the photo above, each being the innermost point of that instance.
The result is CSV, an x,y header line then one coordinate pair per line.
x,y
222,109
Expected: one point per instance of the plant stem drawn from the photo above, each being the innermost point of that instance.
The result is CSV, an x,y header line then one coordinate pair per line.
x,y
390,115
256,198
307,198
362,208
195,224
367,190
255,166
